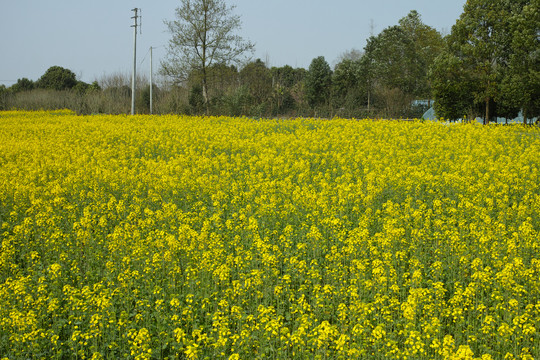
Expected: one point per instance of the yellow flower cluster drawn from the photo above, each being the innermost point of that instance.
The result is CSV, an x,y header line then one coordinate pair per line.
x,y
175,237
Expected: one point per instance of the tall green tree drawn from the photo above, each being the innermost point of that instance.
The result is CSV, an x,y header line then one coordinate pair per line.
x,y
346,83
203,34
390,70
3,96
318,82
520,86
427,43
396,64
391,51
494,46
481,39
401,55
453,87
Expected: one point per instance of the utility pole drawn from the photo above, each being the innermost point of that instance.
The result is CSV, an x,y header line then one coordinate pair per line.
x,y
134,75
151,85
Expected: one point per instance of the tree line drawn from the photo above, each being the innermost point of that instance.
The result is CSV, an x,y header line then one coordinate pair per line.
x,y
367,83
488,66
383,80
55,78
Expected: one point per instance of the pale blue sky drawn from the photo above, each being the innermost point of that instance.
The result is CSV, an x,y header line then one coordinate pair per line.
x,y
94,38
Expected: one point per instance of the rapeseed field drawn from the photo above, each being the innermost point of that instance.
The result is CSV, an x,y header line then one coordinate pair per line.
x,y
176,237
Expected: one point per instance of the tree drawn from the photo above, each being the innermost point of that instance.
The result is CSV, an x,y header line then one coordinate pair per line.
x,y
520,87
23,84
203,34
494,46
94,86
57,78
287,76
400,56
396,62
453,87
220,79
391,51
390,70
318,82
352,54
258,79
480,38
284,81
195,99
3,93
346,83
427,44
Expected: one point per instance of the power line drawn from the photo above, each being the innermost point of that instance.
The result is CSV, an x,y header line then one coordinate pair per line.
x,y
154,48
144,58
134,77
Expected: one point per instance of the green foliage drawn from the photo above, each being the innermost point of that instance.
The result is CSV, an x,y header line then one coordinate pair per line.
x,y
238,103
452,87
390,52
394,69
93,87
494,45
220,78
57,78
427,43
3,96
520,87
287,76
81,87
346,83
196,100
478,38
23,84
287,83
318,82
282,101
144,95
258,79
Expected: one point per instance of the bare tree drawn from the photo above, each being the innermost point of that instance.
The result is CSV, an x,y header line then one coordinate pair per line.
x,y
352,54
203,35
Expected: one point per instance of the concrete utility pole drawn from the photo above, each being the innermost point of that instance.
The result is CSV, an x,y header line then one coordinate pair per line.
x,y
151,85
134,75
